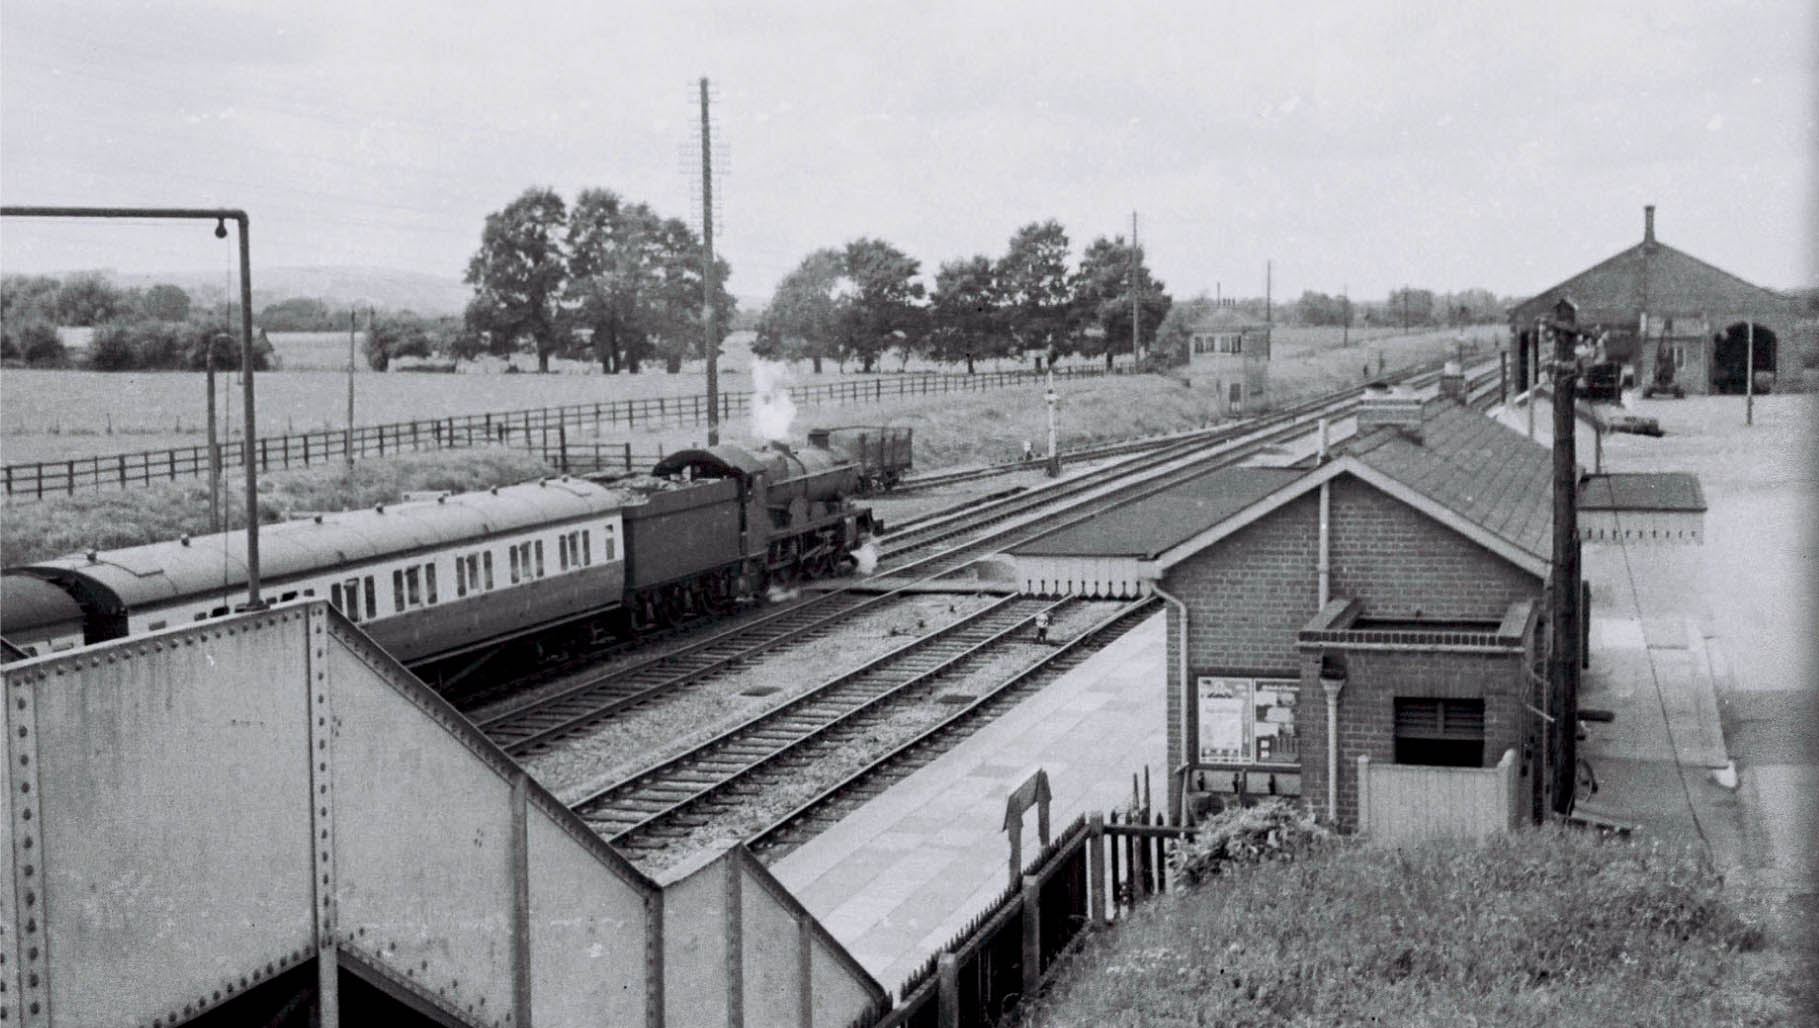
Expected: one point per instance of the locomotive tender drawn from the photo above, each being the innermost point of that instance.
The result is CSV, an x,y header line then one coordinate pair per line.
x,y
446,584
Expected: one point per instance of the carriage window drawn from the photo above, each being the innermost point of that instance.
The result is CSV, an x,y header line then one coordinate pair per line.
x,y
562,552
413,583
288,596
514,553
587,555
539,558
334,597
372,598
398,591
461,576
489,568
429,583
608,544
155,625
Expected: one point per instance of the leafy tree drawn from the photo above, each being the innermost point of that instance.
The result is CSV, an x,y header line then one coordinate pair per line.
x,y
1103,293
34,341
963,312
89,300
615,268
1174,336
882,308
397,335
804,315
28,298
301,314
1036,292
1410,307
678,311
165,303
1320,309
518,276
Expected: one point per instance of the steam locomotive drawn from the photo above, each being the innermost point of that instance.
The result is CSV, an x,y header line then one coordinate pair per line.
x,y
448,583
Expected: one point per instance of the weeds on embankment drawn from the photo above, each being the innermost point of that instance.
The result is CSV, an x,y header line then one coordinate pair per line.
x,y
1537,927
101,519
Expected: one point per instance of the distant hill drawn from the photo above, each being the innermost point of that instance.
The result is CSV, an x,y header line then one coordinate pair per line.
x,y
337,285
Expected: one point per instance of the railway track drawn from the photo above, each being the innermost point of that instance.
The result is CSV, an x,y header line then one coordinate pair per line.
x,y
653,807
597,698
869,782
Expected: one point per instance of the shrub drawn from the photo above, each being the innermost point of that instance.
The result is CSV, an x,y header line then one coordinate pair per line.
x,y
38,343
1276,829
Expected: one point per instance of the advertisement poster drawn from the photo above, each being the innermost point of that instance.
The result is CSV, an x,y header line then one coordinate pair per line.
x,y
1224,704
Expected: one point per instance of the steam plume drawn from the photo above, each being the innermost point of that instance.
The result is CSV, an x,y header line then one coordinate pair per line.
x,y
772,408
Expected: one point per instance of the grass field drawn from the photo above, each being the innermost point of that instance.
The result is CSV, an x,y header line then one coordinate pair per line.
x,y
59,415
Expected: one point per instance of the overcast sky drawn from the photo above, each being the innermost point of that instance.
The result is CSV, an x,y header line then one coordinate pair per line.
x,y
1447,145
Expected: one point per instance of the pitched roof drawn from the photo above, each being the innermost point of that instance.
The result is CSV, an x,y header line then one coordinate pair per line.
x,y
1613,291
1163,519
1468,463
1226,319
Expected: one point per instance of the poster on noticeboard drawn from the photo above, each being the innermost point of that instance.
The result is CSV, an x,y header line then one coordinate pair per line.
x,y
1223,735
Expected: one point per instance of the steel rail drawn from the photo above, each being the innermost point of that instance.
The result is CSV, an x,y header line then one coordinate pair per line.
x,y
841,798
735,755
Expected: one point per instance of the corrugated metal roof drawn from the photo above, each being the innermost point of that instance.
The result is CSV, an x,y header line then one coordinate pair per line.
x,y
1147,527
1654,491
213,563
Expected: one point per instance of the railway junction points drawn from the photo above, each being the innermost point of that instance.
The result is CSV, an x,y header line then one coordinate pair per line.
x,y
356,836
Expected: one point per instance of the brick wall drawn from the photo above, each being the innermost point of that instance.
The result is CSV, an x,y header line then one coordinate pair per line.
x,y
1367,711
1253,591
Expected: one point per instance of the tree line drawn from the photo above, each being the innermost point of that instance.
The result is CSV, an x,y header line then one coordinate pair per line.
x,y
156,328
864,300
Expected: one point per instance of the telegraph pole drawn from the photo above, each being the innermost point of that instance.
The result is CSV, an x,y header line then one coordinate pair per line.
x,y
1136,311
353,317
1345,337
1749,375
707,272
1563,661
1269,270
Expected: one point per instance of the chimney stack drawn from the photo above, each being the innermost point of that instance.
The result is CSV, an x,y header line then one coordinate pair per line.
x,y
1648,223
1452,382
1387,406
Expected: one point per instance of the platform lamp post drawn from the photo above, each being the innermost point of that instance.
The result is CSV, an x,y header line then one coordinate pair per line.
x,y
1563,656
1054,400
220,216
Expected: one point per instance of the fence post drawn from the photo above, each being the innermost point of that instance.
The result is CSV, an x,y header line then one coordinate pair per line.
x,y
947,997
562,441
1032,937
69,478
1095,866
9,480
122,471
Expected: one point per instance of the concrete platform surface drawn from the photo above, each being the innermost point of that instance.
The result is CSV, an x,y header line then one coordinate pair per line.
x,y
1707,654
899,877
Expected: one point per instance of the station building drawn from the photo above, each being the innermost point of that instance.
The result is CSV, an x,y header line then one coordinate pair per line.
x,y
1229,352
1385,603
1657,305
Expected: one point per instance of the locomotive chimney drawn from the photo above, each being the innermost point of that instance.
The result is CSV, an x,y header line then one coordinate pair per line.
x,y
818,437
1648,223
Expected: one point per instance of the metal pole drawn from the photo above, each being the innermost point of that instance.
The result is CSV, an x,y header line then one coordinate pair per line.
x,y
1136,312
1053,398
220,215
214,448
707,272
248,457
353,319
1749,376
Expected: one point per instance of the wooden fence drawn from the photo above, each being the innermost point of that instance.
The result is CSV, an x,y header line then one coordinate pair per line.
x,y
1095,872
1403,803
537,429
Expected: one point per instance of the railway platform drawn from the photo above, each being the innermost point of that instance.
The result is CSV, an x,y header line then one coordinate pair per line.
x,y
899,877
